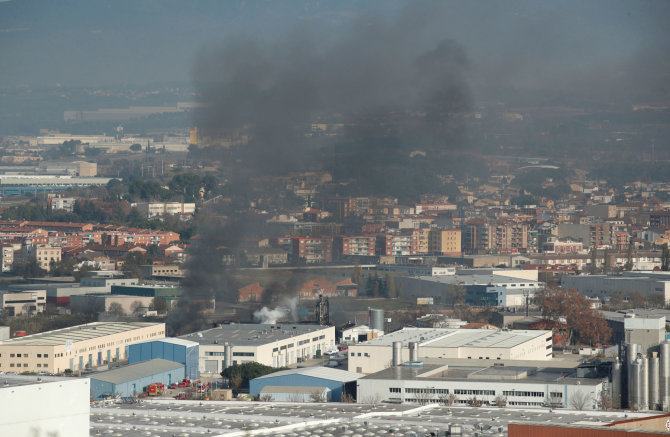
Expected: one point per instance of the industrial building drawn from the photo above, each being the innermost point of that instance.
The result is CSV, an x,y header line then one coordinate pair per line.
x,y
271,345
14,303
409,344
132,379
484,287
172,349
300,384
59,293
75,348
98,303
460,382
638,326
44,406
169,293
604,286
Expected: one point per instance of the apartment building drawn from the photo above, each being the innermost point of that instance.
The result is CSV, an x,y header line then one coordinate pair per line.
x,y
445,241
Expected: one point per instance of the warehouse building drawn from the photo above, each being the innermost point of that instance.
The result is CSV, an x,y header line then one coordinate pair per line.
x,y
271,345
484,287
44,406
75,348
131,380
306,384
604,286
471,344
172,349
528,384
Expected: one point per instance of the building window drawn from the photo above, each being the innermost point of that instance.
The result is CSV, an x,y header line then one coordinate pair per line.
x,y
11,355
46,355
39,355
394,389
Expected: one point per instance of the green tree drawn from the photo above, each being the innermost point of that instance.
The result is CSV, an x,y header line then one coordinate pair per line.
x,y
116,309
665,258
136,147
357,275
247,372
629,258
29,269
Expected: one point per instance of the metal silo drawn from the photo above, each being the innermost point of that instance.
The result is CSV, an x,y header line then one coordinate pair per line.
x,y
644,382
376,319
616,384
414,351
635,385
397,353
632,350
228,354
664,377
654,388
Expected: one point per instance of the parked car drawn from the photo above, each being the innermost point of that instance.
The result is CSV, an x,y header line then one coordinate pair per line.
x,y
173,385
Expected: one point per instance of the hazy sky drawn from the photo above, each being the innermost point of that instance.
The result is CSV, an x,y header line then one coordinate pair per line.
x,y
589,46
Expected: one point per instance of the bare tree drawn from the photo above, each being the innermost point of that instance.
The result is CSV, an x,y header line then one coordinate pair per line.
x,y
265,398
295,397
500,401
578,400
423,396
606,401
448,400
317,396
474,402
371,399
347,398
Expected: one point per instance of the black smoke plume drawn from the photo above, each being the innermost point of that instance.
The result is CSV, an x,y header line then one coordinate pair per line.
x,y
396,85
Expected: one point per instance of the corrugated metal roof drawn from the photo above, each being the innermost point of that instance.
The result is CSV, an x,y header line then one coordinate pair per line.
x,y
77,333
136,371
317,372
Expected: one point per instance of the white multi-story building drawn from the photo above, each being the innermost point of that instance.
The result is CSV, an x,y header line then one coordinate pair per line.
x,y
23,302
44,406
75,348
271,345
469,344
527,385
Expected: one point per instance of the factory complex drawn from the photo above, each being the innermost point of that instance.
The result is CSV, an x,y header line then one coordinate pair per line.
x,y
75,348
276,345
413,344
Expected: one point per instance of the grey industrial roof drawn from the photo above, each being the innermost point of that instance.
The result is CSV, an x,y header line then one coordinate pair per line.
x,y
446,337
317,372
136,371
480,280
473,372
76,333
250,334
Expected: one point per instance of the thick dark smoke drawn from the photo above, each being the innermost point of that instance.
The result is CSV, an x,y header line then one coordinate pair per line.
x,y
396,84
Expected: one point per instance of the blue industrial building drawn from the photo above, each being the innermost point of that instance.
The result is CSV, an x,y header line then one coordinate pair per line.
x,y
132,379
335,381
486,295
172,349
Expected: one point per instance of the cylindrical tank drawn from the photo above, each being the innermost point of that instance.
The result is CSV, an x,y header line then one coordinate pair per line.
x,y
397,353
632,350
376,319
634,384
616,384
654,389
228,354
644,381
414,351
664,377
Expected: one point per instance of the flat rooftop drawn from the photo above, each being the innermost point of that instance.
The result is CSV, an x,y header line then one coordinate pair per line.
x,y
250,334
76,333
169,418
447,337
476,372
136,371
478,279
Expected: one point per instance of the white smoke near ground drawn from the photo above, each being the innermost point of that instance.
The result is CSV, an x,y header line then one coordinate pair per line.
x,y
267,316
